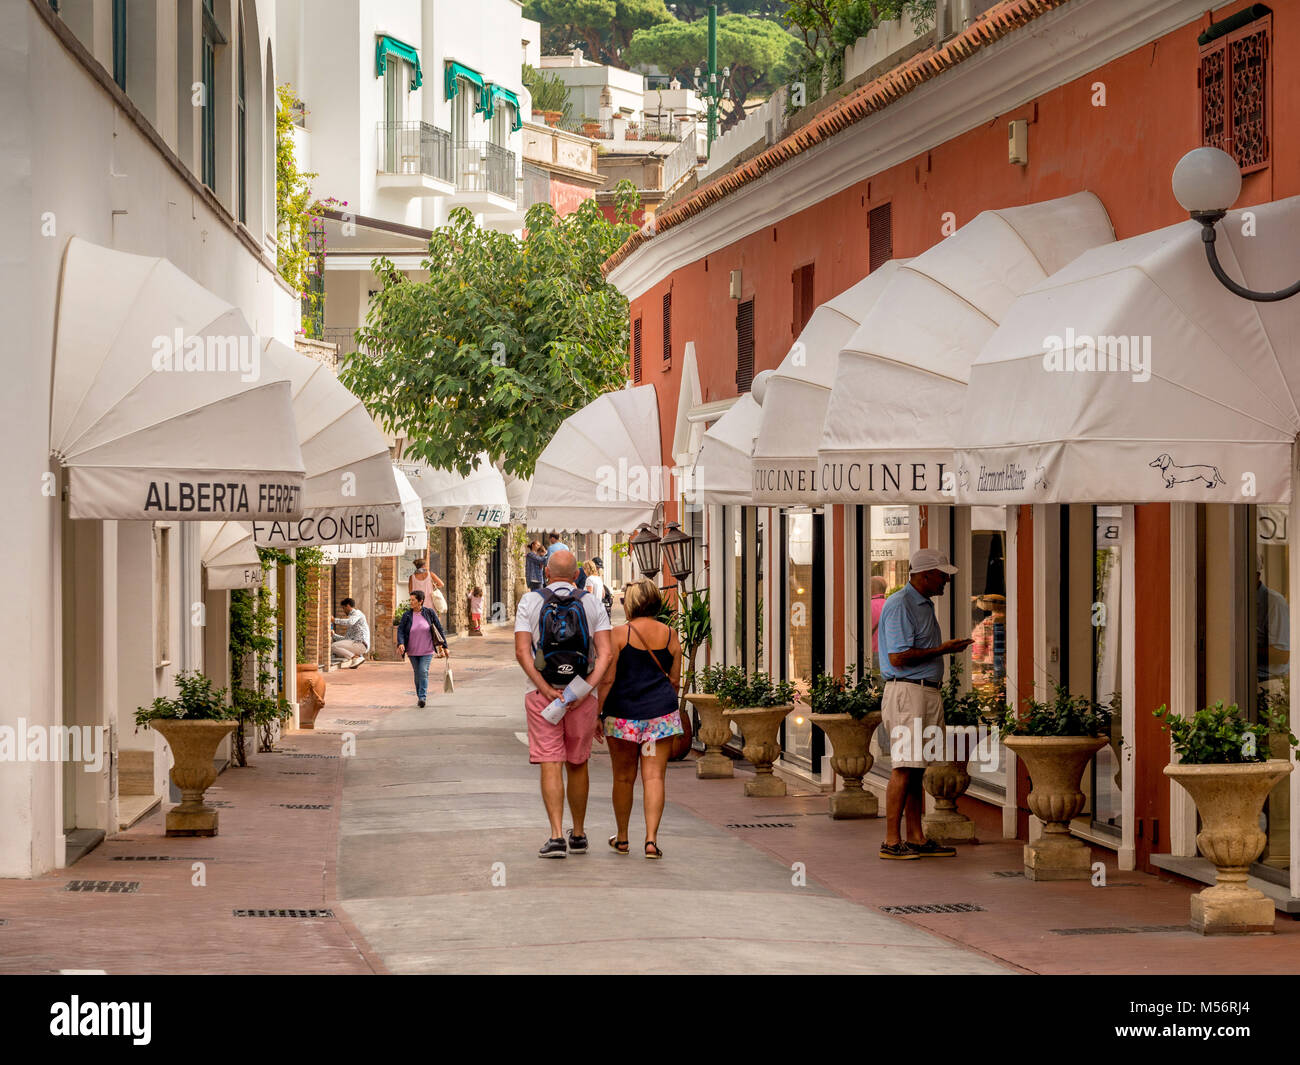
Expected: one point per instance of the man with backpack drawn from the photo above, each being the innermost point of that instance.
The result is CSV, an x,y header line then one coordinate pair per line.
x,y
562,642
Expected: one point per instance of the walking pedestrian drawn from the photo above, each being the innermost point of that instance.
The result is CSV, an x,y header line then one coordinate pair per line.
x,y
351,646
556,544
911,662
426,581
535,566
595,584
639,708
420,637
476,611
562,645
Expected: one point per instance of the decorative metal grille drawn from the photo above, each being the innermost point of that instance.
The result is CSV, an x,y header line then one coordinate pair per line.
x,y
1235,99
936,907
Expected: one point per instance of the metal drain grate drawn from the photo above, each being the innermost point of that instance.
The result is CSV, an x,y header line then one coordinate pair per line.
x,y
298,773
936,907
283,913
294,754
218,802
1007,874
303,806
105,887
765,824
1122,930
159,858
358,721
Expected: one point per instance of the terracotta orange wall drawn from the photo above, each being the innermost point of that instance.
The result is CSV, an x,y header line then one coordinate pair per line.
x,y
566,197
1124,152
1151,677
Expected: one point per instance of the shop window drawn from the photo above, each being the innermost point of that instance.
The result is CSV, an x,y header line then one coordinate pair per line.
x,y
241,135
636,351
162,595
988,618
745,346
1107,663
668,329
880,234
119,43
1270,618
1236,98
802,659
802,282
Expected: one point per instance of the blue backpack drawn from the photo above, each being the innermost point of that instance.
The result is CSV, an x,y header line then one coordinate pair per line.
x,y
564,650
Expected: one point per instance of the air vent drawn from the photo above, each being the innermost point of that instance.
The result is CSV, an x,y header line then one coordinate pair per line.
x,y
105,887
303,806
283,913
159,858
767,824
936,907
1121,930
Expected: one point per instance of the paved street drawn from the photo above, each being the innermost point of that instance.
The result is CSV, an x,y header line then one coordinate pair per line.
x,y
405,853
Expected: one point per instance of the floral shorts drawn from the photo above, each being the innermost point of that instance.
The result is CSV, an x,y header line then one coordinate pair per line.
x,y
639,731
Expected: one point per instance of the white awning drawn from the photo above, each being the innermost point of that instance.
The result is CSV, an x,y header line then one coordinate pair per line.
x,y
891,423
794,406
723,472
603,470
452,499
1200,405
228,555
351,495
161,410
415,533
517,490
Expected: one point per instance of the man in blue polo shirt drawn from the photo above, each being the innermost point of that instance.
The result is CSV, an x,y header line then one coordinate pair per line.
x,y
911,661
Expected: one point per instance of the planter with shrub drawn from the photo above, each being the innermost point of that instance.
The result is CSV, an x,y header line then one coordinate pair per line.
x,y
714,729
758,705
947,781
847,709
1224,764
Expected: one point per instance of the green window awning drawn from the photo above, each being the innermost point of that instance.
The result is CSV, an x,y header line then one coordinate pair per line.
x,y
498,94
387,46
456,71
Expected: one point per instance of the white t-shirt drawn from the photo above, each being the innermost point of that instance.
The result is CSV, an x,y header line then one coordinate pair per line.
x,y
595,588
528,616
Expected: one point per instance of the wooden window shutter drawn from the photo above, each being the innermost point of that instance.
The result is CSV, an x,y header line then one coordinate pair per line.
x,y
880,248
636,352
804,306
668,326
1236,98
745,346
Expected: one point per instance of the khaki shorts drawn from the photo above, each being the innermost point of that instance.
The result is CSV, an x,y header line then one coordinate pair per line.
x,y
906,711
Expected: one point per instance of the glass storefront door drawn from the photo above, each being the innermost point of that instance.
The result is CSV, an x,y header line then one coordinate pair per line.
x,y
988,621
1107,666
1270,620
804,620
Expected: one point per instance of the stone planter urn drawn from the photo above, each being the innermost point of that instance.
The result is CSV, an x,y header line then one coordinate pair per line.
x,y
714,732
851,758
760,725
947,782
194,745
1055,765
311,694
1229,799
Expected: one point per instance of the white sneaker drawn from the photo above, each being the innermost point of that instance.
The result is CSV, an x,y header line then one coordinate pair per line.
x,y
356,662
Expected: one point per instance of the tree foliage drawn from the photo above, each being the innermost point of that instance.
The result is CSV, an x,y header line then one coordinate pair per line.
x,y
605,27
505,339
548,91
827,27
759,52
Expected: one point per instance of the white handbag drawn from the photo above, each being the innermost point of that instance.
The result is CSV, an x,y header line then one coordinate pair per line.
x,y
439,602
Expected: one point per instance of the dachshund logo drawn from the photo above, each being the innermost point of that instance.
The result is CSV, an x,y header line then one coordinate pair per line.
x,y
1175,474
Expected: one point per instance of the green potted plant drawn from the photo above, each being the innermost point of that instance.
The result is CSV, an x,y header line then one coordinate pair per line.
x,y
758,705
193,723
1224,764
847,709
1056,739
947,781
701,691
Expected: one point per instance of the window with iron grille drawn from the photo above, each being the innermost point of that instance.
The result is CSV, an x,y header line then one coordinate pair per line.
x,y
880,237
668,328
745,346
1235,83
636,352
802,281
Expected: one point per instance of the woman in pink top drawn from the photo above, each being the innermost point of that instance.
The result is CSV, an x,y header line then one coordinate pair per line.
x,y
424,580
420,637
878,590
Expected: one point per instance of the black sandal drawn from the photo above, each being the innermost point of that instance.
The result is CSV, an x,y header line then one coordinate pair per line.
x,y
620,845
652,851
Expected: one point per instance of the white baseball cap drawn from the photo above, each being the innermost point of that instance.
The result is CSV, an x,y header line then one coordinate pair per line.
x,y
929,558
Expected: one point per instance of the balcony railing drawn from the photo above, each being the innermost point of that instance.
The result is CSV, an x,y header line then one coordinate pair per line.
x,y
342,336
415,148
485,167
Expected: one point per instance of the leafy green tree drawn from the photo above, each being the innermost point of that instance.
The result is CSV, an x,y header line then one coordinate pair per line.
x,y
827,27
505,339
549,93
605,27
760,53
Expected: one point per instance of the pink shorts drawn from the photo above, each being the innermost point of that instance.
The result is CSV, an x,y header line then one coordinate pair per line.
x,y
570,740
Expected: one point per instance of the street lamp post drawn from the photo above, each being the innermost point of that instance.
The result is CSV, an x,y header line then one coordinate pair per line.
x,y
1207,182
714,90
668,543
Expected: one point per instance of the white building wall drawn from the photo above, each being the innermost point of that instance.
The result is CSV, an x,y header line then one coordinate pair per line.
x,y
76,163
